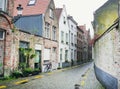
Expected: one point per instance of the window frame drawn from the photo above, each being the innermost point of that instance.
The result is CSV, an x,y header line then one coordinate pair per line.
x,y
51,14
4,5
33,2
47,30
62,36
3,35
67,38
54,33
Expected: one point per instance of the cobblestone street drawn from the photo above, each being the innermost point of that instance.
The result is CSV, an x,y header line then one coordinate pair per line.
x,y
63,79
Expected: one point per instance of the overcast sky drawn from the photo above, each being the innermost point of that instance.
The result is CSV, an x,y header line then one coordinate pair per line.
x,y
81,10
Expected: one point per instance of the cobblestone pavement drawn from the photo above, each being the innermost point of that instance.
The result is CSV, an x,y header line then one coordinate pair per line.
x,y
63,79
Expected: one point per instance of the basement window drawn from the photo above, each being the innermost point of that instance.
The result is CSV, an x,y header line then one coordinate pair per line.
x,y
31,2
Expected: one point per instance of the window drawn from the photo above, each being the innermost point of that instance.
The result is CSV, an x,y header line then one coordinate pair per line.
x,y
54,33
71,54
64,21
75,39
3,5
72,27
47,30
31,2
62,37
66,54
72,38
51,13
54,49
24,44
60,54
2,35
75,54
66,38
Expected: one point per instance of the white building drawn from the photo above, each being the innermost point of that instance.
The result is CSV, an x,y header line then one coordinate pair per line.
x,y
73,39
63,37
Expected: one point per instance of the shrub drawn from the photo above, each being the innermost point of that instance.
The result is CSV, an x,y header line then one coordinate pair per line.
x,y
36,71
27,71
17,74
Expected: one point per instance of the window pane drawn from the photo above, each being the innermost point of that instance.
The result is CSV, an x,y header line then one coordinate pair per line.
x,y
51,13
3,5
47,30
1,35
24,44
54,33
31,2
62,36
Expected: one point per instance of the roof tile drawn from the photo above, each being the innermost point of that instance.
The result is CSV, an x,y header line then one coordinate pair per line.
x,y
39,7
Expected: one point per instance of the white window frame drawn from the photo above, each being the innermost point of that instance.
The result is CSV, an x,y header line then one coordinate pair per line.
x,y
31,2
47,30
51,14
3,35
67,37
3,5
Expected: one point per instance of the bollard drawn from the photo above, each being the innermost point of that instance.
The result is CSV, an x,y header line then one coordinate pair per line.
x,y
77,86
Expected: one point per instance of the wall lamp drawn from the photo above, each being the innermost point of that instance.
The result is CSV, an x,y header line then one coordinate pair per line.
x,y
19,13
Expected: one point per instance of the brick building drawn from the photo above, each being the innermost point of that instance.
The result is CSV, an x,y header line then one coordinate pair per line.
x,y
85,43
39,19
6,37
80,35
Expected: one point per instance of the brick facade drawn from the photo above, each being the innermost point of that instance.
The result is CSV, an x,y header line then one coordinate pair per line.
x,y
7,26
79,45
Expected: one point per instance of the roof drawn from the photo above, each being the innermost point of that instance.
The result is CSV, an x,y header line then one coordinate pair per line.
x,y
80,29
30,24
83,28
39,7
71,18
58,12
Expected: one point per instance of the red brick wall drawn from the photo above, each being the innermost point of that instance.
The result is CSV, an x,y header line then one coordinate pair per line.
x,y
6,25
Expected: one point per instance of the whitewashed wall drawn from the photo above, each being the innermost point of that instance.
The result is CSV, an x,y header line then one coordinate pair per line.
x,y
63,27
107,53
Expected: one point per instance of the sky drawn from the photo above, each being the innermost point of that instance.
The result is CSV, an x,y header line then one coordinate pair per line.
x,y
81,10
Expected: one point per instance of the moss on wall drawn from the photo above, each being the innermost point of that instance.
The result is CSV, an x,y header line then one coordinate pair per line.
x,y
105,16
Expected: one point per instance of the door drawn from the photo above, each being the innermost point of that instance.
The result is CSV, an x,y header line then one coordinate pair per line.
x,y
37,64
1,51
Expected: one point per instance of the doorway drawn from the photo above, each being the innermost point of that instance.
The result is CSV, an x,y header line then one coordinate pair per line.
x,y
37,63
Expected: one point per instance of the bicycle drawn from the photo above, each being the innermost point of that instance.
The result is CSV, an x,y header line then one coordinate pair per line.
x,y
48,67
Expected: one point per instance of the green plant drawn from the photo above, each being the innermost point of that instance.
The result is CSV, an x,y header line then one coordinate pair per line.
x,y
28,54
17,74
27,71
36,71
22,66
